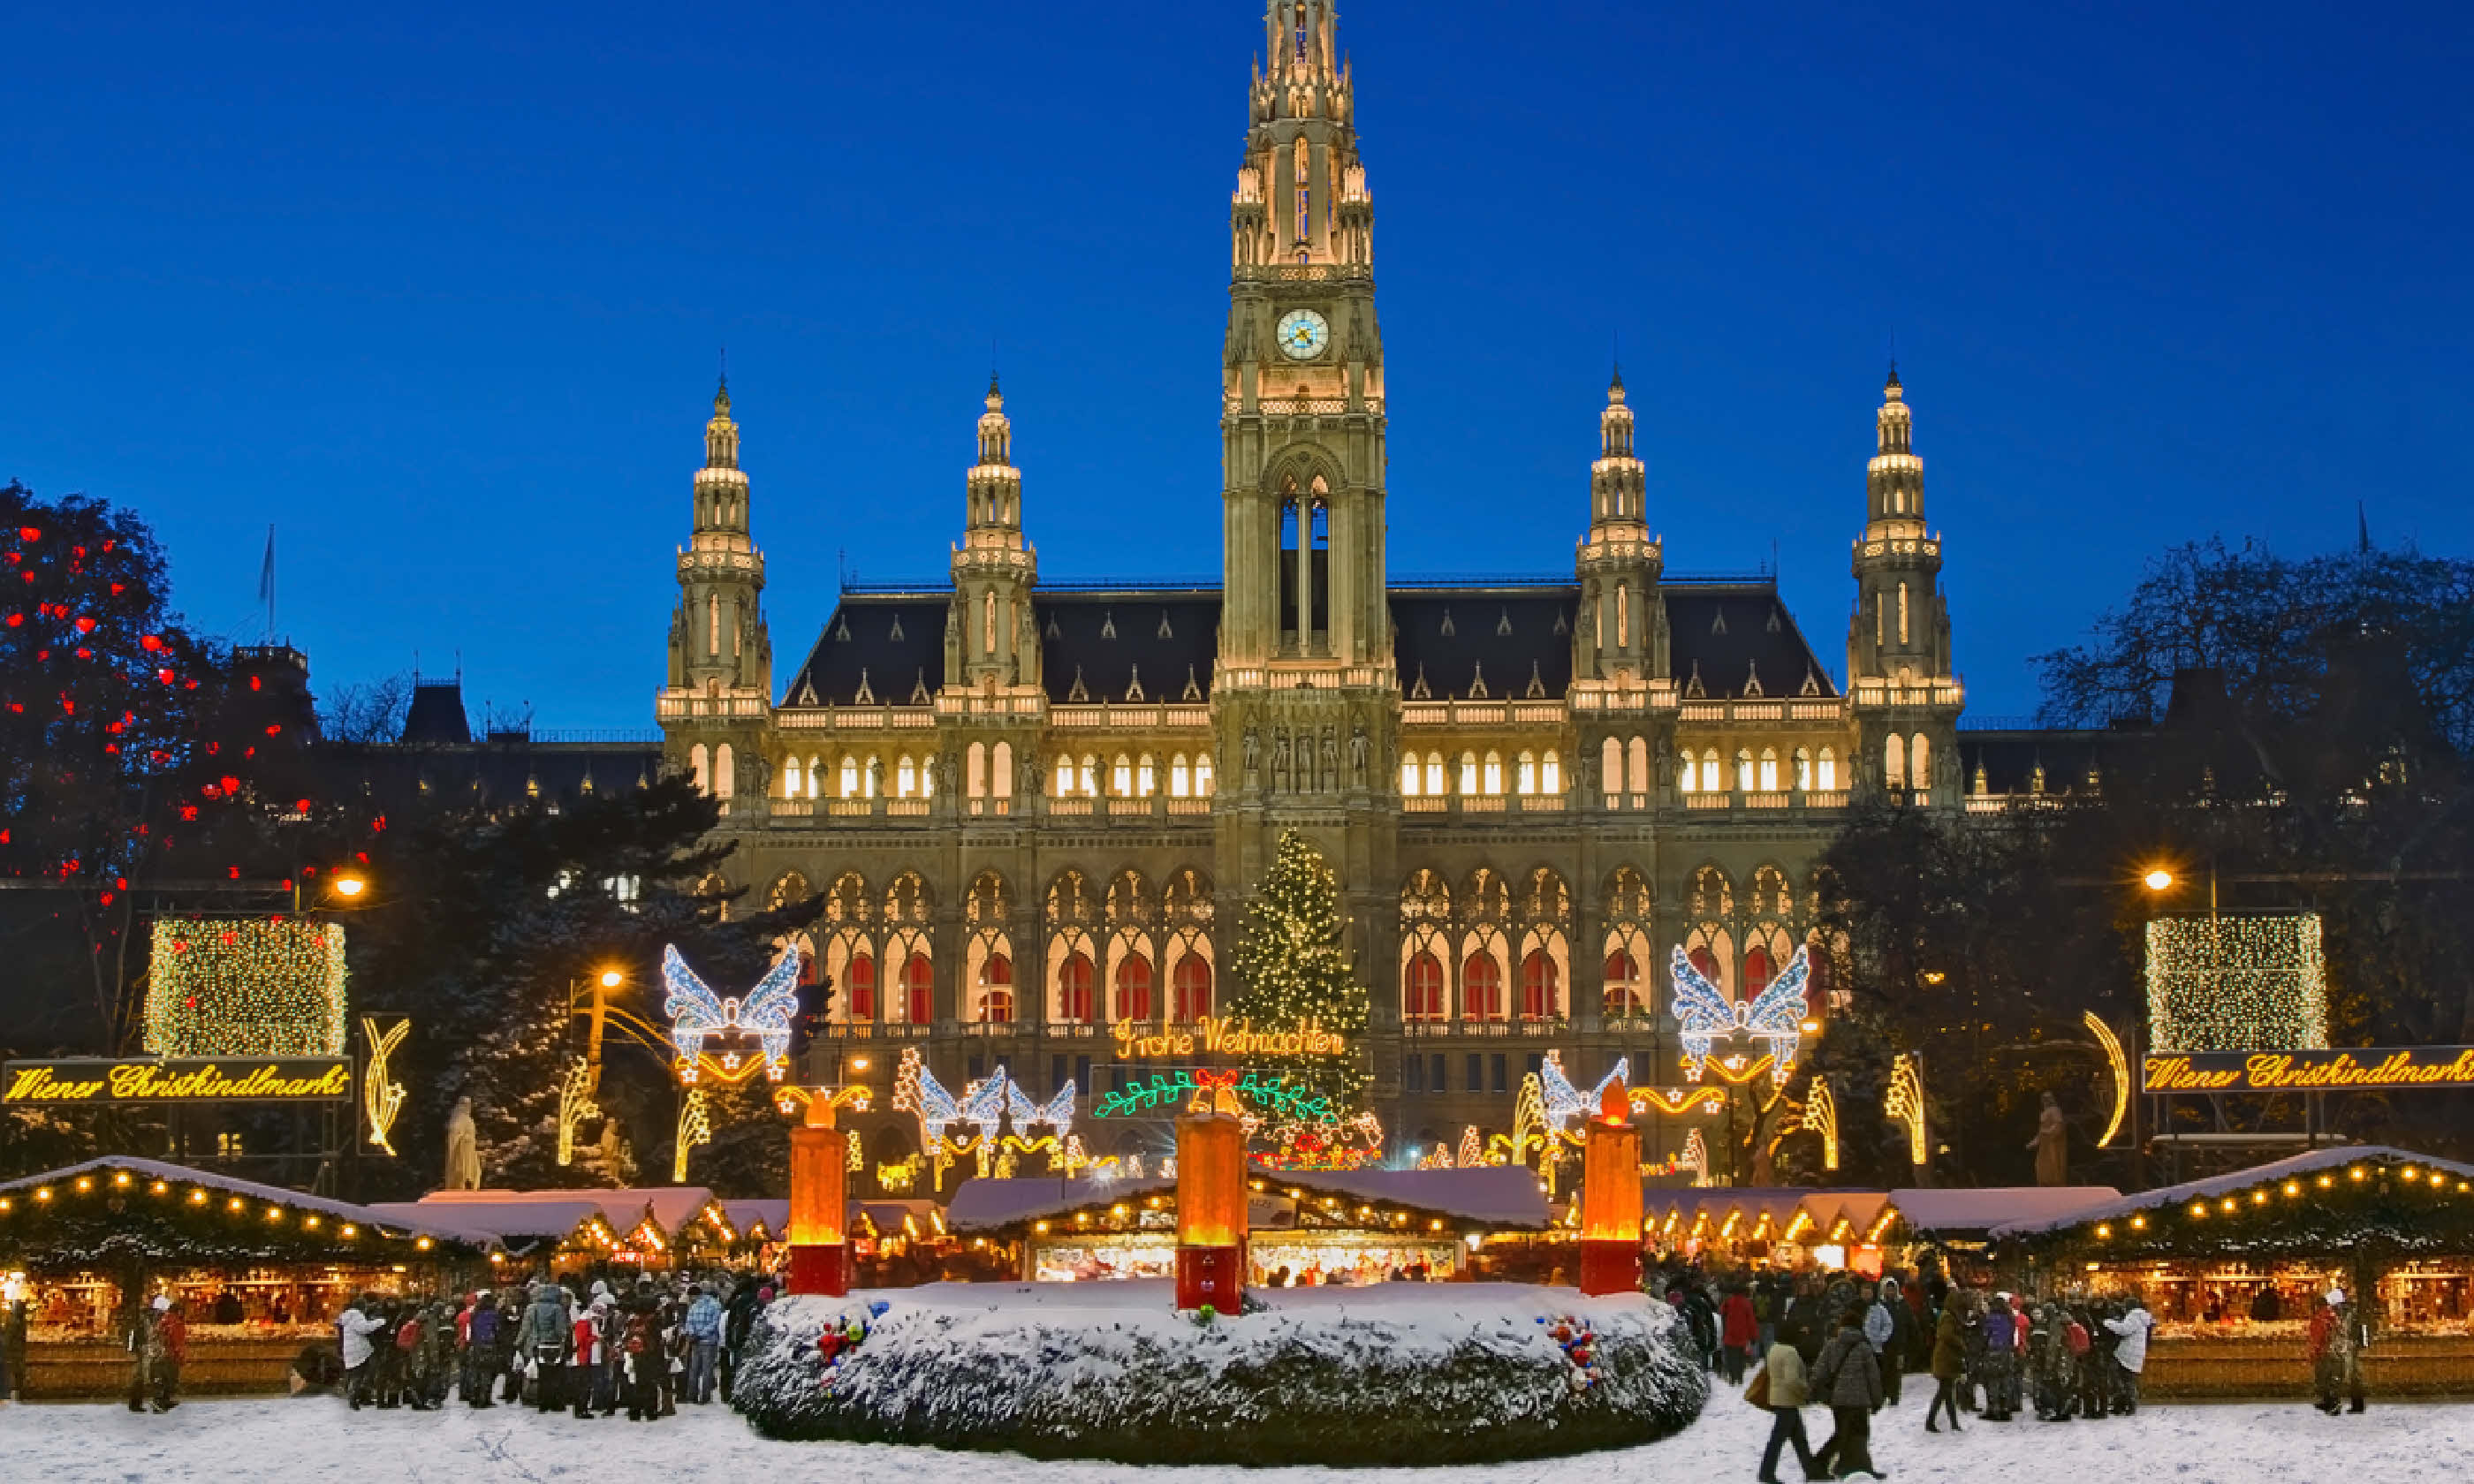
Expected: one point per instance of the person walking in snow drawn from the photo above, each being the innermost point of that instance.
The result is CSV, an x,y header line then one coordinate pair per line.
x,y
2001,1360
1848,1377
2337,1336
1949,1360
703,1329
479,1333
2129,1353
1888,1329
1783,1365
1737,1328
354,1329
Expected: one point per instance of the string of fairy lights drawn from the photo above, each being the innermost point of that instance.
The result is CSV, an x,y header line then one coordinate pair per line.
x,y
62,1197
267,986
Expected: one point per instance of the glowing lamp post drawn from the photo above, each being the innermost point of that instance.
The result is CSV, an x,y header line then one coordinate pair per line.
x,y
819,1249
1211,1207
1610,1198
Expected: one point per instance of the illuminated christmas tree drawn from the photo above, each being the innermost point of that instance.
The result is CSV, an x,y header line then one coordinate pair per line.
x,y
1292,971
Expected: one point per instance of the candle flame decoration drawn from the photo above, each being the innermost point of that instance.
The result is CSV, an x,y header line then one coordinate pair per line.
x,y
1905,1103
696,1127
2121,1067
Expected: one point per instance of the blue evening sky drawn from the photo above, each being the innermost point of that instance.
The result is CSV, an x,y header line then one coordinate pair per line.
x,y
438,289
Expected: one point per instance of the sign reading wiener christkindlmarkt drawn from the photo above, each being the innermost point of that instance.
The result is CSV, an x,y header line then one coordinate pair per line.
x,y
2342,1069
96,1080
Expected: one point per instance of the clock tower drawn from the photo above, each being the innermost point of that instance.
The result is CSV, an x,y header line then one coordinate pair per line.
x,y
1305,699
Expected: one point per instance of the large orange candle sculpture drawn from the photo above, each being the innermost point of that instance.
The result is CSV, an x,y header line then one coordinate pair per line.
x,y
819,1251
1210,1207
1610,1198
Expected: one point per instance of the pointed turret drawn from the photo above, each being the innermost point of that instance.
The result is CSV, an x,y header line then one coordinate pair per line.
x,y
1898,665
1620,636
989,638
720,681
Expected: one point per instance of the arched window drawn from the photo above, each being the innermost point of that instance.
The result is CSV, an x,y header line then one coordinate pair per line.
x,y
918,989
1610,767
1193,987
790,778
1001,764
1180,778
1758,970
1550,773
815,777
1421,989
1894,763
859,978
1434,773
1481,988
1524,774
1624,984
1538,982
850,777
906,778
1202,774
996,989
1707,962
1623,614
1902,613
1074,978
1064,777
1493,772
725,771
1769,769
988,622
874,776
1639,753
975,770
1133,1002
1145,780
1120,781
1827,780
697,765
1469,773
1920,761
1710,782
1804,767
1687,779
1744,770
1090,776
1408,772
926,777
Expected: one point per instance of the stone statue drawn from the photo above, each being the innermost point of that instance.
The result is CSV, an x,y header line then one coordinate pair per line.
x,y
463,1148
1329,777
945,773
1666,763
1253,750
1030,775
1280,758
2052,1144
1586,767
1357,751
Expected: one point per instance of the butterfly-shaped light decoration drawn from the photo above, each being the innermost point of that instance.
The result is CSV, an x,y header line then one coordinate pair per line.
x,y
1057,1113
1566,1102
1774,1016
697,1014
984,1103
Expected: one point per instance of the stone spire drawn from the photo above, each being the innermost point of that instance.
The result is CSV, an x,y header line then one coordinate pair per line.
x,y
1620,636
990,638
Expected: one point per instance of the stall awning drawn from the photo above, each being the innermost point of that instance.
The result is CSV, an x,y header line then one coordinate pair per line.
x,y
2301,1170
130,1180
1977,1213
1478,1198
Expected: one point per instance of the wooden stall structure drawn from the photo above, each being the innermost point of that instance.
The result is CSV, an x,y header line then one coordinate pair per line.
x,y
565,1232
262,1271
2230,1266
1307,1228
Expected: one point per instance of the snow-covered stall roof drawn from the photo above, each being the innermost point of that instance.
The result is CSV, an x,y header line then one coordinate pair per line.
x,y
1481,1198
387,1220
1977,1213
744,1215
518,1223
986,1203
1836,1215
1764,1213
2216,1185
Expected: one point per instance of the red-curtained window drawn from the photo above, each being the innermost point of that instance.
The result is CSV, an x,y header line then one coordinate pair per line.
x,y
1134,988
1193,987
1704,961
1074,980
1422,997
996,989
1481,988
1758,971
860,973
1623,977
1537,981
920,990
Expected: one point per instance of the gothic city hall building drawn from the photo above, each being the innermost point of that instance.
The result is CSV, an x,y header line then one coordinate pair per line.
x,y
1035,808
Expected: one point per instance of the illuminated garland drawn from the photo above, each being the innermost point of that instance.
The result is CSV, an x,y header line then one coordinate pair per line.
x,y
2376,1211
66,1222
576,1104
245,987
2120,1067
2237,984
381,1098
1695,1157
696,1127
1281,1097
1821,1115
1472,1153
1677,1103
1905,1103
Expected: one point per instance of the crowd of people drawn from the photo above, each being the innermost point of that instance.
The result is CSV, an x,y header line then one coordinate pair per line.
x,y
1848,1343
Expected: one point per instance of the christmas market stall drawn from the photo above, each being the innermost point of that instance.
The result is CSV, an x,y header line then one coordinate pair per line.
x,y
2232,1266
1833,1230
1335,1227
1952,1230
1723,1227
262,1271
652,1228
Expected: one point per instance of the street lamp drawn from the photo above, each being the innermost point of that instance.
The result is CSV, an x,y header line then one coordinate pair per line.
x,y
348,886
2158,880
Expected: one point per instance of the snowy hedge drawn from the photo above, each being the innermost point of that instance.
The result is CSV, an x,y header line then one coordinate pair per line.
x,y
1396,1375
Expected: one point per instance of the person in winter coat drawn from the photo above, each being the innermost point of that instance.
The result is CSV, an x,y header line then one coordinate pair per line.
x,y
481,1362
159,1342
2130,1351
2337,1335
354,1329
545,1339
2050,1366
1788,1392
1948,1359
2001,1360
703,1329
1737,1328
1848,1378
592,1359
1888,1328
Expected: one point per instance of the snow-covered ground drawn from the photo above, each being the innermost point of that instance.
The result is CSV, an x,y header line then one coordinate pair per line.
x,y
315,1438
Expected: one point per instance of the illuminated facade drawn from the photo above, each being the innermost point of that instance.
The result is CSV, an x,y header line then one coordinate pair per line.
x,y
1033,805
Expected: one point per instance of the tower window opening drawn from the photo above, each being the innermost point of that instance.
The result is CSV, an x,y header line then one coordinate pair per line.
x,y
1769,769
1202,776
1828,779
988,623
1709,780
1524,778
1803,768
1894,763
1090,776
1469,773
1180,780
1408,773
1550,773
1494,773
1902,613
850,777
1064,777
1434,773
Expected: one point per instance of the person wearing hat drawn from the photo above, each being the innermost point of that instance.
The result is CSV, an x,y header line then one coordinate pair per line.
x,y
2337,1335
159,1341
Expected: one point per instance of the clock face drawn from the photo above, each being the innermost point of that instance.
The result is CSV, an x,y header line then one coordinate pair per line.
x,y
1304,334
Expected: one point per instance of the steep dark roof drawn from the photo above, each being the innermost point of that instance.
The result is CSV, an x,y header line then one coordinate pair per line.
x,y
436,717
1727,632
1501,635
1076,632
894,644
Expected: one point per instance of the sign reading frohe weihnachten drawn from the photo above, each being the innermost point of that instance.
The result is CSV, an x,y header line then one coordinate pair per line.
x,y
1211,1036
306,1079
2339,1068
